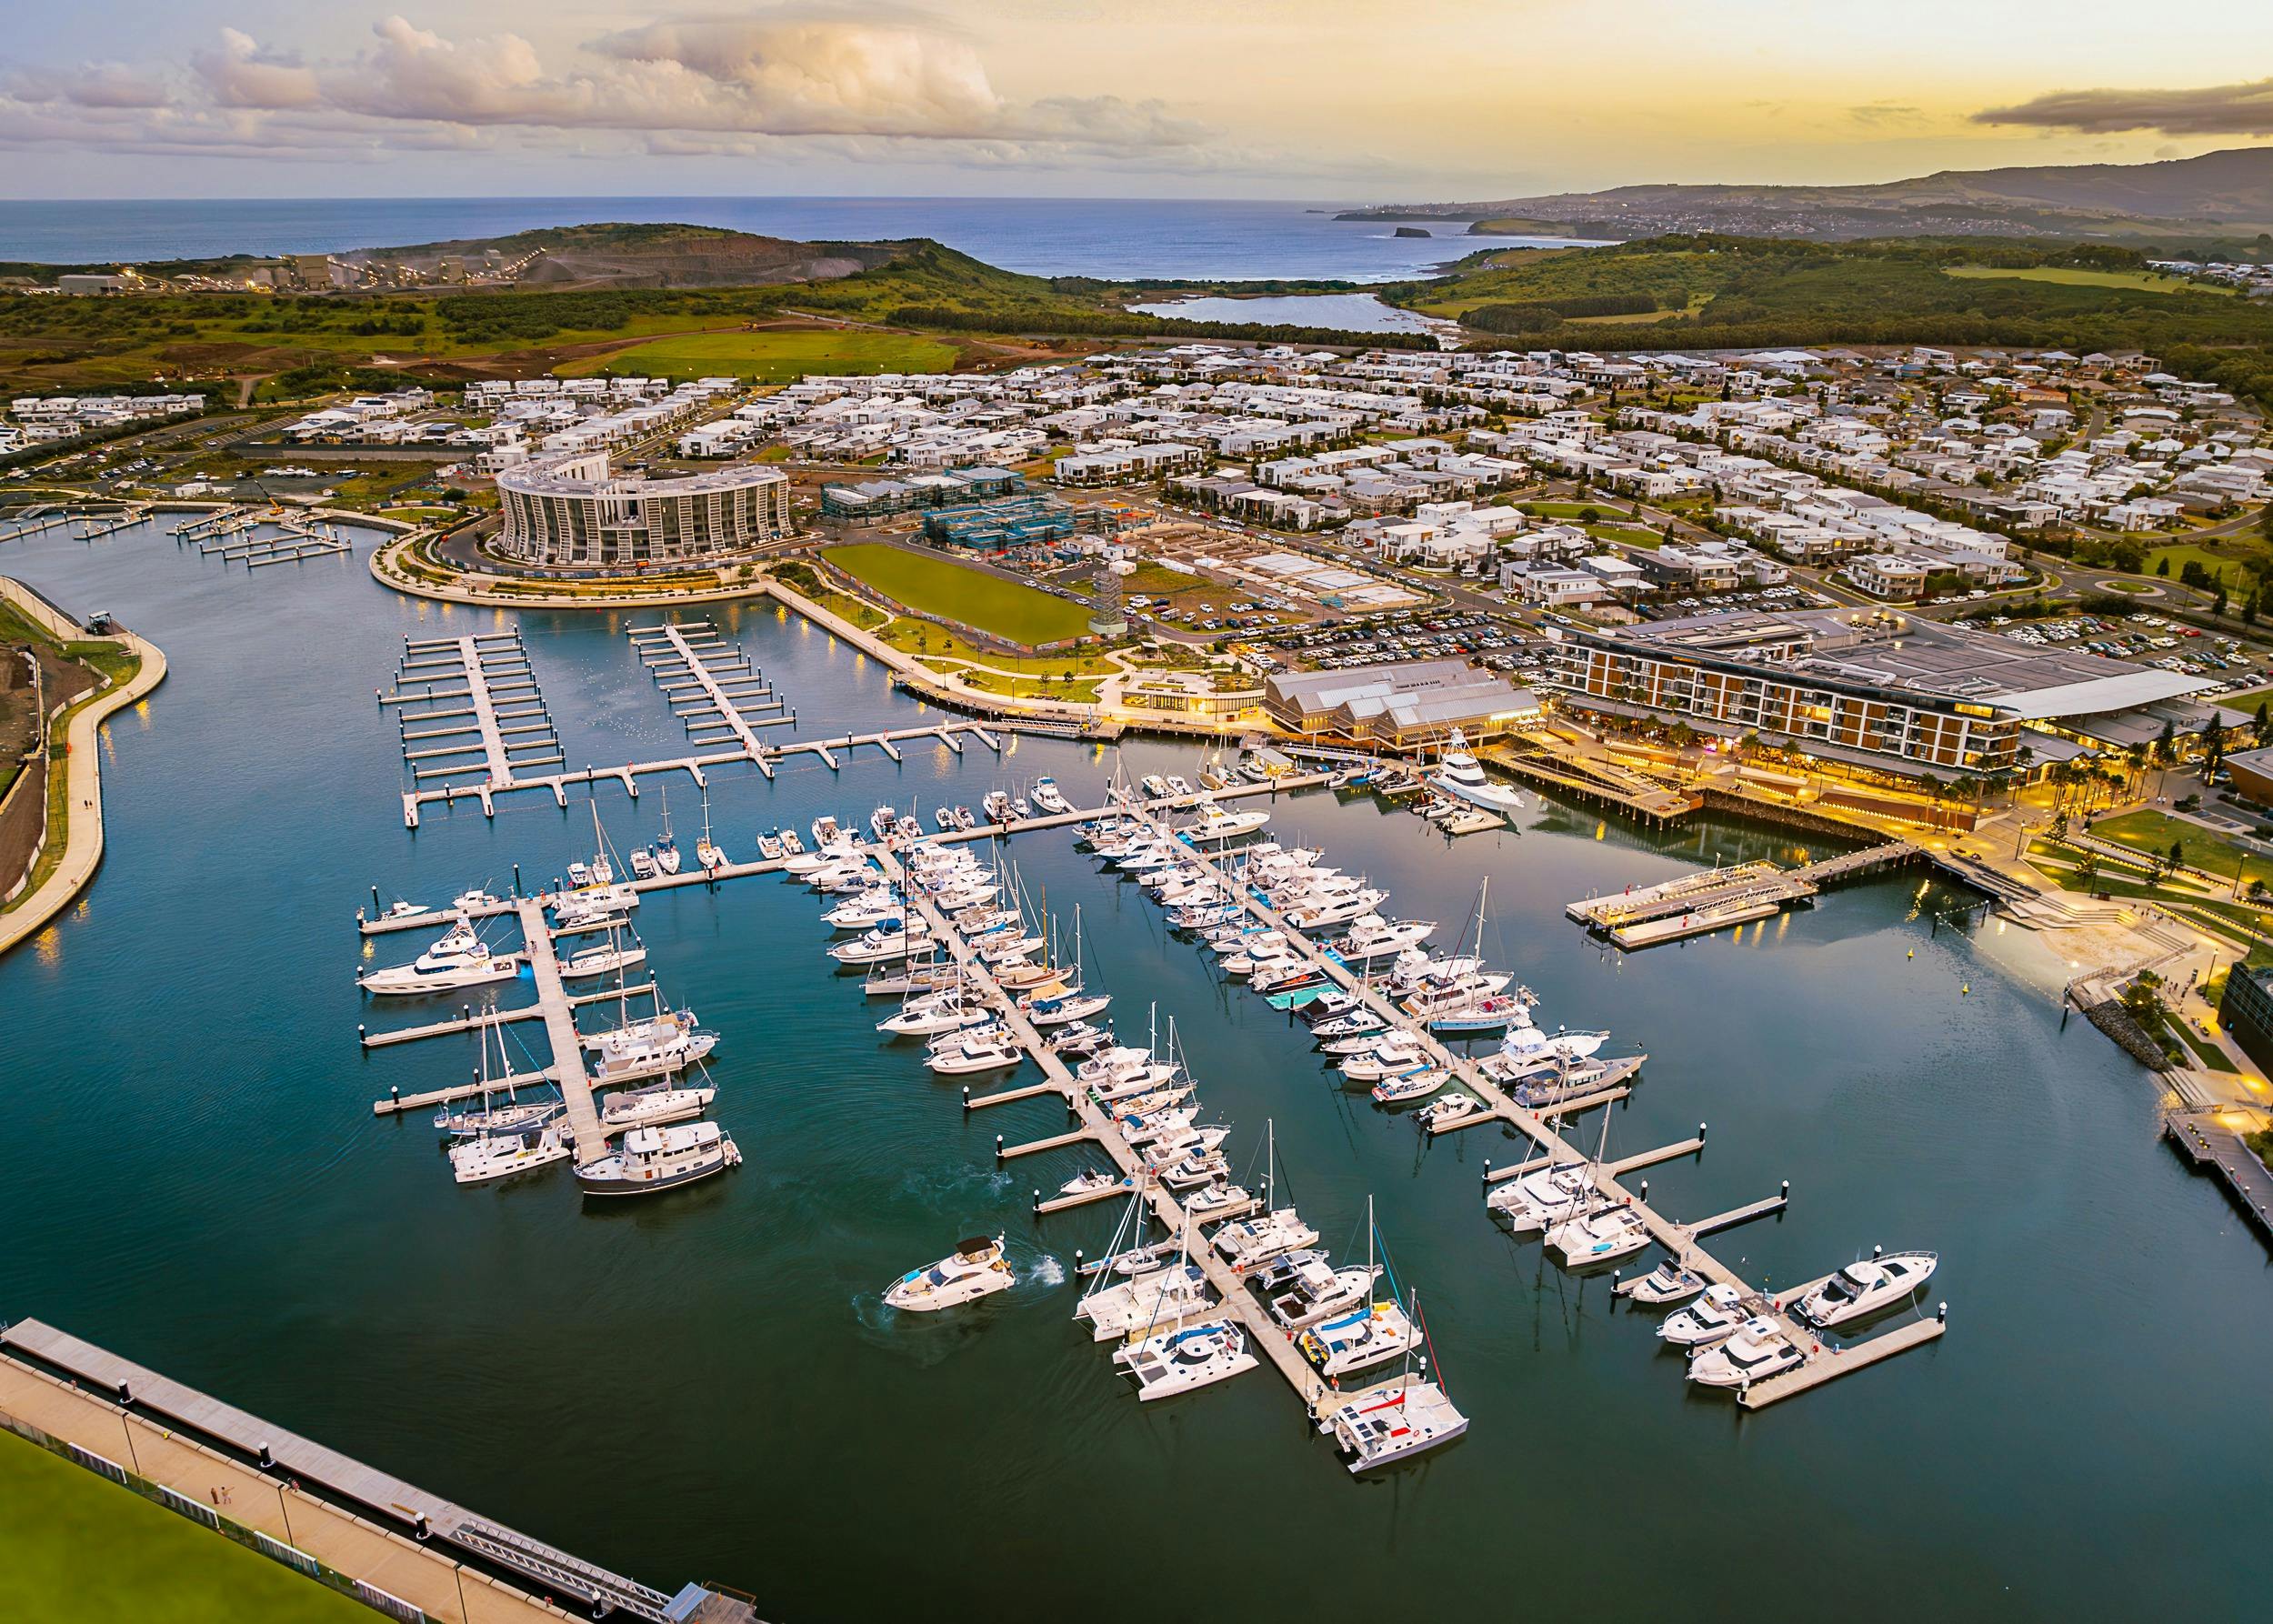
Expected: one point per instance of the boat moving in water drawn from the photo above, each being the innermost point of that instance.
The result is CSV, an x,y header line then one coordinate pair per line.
x,y
977,1268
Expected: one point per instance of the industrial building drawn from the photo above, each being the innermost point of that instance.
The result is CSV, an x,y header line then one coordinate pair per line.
x,y
570,511
1875,689
1407,705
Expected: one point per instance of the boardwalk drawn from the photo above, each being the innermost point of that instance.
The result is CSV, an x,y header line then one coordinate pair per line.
x,y
560,1030
1695,904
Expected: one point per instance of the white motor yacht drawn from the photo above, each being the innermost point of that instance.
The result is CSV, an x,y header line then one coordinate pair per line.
x,y
1371,937
982,1050
977,1268
791,847
1387,1425
934,1012
1759,1349
500,1156
1462,776
890,939
1388,1056
475,900
601,959
1716,1314
1600,1237
1877,1283
1186,1358
1047,796
1444,1112
643,863
1415,1083
1216,1200
1670,1282
1215,825
770,848
882,821
660,1159
459,958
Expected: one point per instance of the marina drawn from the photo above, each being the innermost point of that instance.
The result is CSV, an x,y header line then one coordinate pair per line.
x,y
1815,1049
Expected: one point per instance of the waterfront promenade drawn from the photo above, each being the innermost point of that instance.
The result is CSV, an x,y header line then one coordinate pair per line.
x,y
82,773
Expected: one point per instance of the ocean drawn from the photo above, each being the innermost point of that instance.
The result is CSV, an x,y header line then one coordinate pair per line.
x,y
1070,237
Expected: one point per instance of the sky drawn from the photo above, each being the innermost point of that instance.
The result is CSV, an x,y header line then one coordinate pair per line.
x,y
1340,100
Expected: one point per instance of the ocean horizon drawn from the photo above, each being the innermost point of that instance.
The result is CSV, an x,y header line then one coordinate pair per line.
x,y
1237,239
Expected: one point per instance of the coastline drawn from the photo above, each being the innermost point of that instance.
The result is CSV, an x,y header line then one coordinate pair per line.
x,y
83,834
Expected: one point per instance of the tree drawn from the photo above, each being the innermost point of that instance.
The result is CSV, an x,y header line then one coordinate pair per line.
x,y
2087,870
2162,565
2177,856
2213,744
2217,599
2264,721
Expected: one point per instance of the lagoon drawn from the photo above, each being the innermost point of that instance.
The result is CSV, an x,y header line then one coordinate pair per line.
x,y
708,1386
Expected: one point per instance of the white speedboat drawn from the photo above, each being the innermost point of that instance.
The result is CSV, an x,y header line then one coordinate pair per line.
x,y
500,1156
884,820
1215,825
1714,1315
1095,1181
661,1158
1868,1287
1371,937
1388,1425
1155,786
654,1105
1372,1335
1186,1358
1759,1349
1444,1112
890,939
962,818
643,863
1216,1200
977,1268
1600,1237
1462,776
1415,1083
475,901
459,958
1047,796
997,806
943,819
934,1012
770,848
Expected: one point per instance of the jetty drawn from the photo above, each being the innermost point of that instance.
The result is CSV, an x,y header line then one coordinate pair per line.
x,y
1696,904
1821,1361
469,710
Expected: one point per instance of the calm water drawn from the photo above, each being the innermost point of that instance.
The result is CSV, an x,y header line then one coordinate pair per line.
x,y
706,1386
1044,236
1348,312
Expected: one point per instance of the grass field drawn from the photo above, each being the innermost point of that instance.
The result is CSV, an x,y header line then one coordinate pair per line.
x,y
2205,848
2072,277
75,1547
935,585
2247,703
2234,565
775,358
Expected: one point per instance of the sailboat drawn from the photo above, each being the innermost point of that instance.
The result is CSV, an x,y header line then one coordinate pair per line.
x,y
1386,1425
707,855
595,894
515,1115
1371,1335
666,850
1184,1356
512,1146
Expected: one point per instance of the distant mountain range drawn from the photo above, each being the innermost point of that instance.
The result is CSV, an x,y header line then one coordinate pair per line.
x,y
643,255
2220,193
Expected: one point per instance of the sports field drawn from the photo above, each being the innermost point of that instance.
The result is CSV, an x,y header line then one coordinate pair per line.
x,y
75,1548
773,357
932,585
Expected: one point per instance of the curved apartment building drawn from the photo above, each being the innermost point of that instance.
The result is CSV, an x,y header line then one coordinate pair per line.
x,y
565,512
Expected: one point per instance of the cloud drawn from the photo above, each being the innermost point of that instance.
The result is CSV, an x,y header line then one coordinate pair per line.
x,y
2207,110
1886,116
241,74
900,81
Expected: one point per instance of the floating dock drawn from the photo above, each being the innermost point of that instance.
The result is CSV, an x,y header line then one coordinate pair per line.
x,y
1697,904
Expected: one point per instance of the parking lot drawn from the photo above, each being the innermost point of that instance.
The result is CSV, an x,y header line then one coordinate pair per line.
x,y
2152,638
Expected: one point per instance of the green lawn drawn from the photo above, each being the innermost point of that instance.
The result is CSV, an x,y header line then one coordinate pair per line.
x,y
2247,703
2205,848
932,585
2147,281
75,1548
775,358
2233,565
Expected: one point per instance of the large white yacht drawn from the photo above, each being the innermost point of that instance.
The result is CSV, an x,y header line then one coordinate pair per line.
x,y
1543,1198
1462,776
1713,1316
1599,1236
977,1268
1257,1241
1215,825
1866,1287
1759,1349
660,1159
458,958
1048,797
1313,1290
1165,1297
653,1106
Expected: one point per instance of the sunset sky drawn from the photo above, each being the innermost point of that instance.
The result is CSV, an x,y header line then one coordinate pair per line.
x,y
1327,99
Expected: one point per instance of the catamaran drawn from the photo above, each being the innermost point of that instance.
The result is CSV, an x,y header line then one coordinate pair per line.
x,y
977,1268
1601,1236
1128,1307
661,1158
1388,1424
1373,1334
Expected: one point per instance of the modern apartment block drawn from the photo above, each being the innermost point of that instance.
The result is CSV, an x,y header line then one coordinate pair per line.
x,y
565,512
